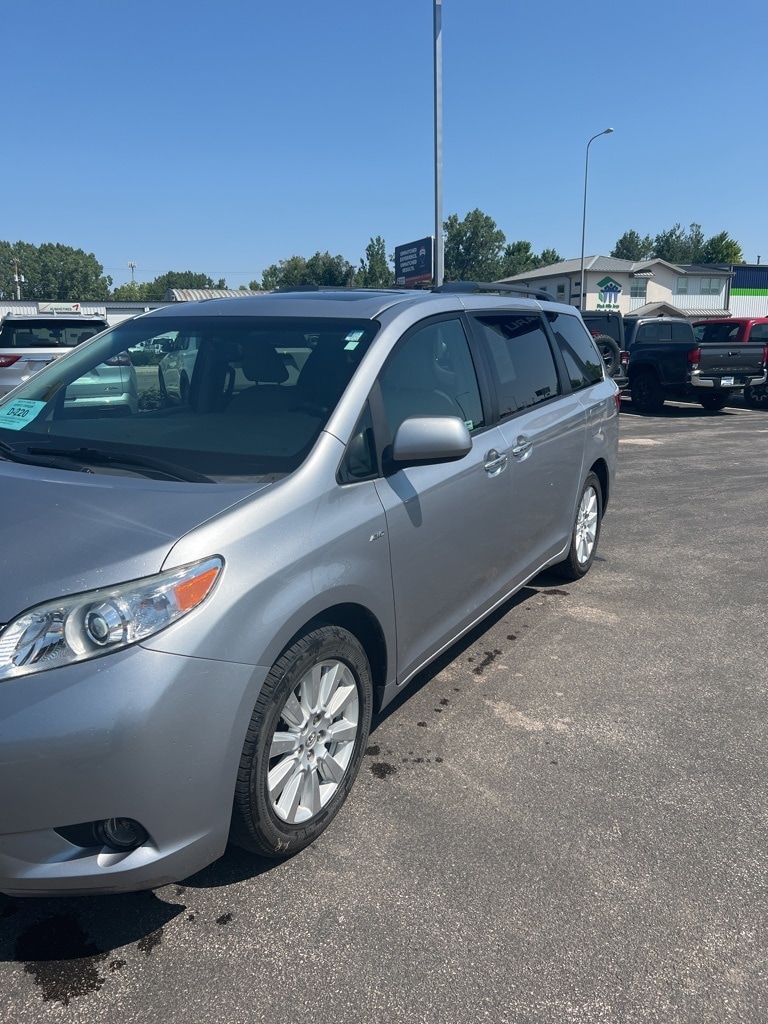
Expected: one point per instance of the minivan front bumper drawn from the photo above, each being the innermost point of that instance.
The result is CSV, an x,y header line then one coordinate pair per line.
x,y
137,734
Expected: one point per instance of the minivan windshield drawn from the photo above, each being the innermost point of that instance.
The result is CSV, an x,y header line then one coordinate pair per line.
x,y
216,396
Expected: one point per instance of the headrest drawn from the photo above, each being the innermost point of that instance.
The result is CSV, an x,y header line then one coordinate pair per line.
x,y
263,365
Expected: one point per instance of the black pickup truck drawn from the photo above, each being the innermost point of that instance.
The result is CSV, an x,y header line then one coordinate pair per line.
x,y
663,360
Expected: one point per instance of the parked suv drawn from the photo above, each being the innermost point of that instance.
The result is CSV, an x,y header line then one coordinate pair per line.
x,y
30,342
221,591
736,330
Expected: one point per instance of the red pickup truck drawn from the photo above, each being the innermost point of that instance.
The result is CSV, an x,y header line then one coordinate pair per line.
x,y
732,331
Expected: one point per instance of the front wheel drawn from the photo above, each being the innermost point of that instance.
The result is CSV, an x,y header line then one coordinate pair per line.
x,y
714,402
756,397
304,745
586,532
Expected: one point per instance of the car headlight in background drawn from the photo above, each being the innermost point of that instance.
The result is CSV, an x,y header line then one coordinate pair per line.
x,y
100,621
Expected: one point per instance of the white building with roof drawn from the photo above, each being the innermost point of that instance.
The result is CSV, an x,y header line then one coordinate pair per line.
x,y
643,287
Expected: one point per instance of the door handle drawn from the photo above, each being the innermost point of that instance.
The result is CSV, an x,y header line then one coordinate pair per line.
x,y
495,462
523,448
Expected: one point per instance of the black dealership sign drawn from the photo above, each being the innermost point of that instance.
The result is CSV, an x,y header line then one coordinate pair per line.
x,y
413,262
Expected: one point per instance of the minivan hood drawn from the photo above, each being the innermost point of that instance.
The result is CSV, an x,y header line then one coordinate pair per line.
x,y
65,532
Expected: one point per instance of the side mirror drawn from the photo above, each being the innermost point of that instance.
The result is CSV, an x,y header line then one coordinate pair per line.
x,y
431,439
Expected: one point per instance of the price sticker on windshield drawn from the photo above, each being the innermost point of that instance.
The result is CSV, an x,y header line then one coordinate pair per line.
x,y
18,413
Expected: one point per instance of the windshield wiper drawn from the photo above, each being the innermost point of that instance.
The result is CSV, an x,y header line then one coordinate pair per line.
x,y
97,457
10,453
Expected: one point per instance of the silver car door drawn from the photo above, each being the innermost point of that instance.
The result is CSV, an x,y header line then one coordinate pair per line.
x,y
544,433
446,523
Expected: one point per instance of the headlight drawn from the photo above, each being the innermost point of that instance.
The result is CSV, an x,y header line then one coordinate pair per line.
x,y
87,625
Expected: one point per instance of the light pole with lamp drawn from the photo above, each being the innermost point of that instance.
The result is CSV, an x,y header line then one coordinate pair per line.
x,y
606,131
439,253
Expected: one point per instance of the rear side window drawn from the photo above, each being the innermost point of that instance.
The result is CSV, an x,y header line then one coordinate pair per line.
x,y
759,332
582,360
521,359
47,334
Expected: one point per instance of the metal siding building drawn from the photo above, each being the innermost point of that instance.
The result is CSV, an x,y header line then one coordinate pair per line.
x,y
749,290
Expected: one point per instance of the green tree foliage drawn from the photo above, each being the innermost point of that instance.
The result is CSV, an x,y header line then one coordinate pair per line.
x,y
632,247
676,245
52,273
477,250
722,249
375,271
549,256
518,257
473,248
320,269
155,290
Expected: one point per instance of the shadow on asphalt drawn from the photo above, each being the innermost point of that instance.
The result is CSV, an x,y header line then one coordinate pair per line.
x,y
675,411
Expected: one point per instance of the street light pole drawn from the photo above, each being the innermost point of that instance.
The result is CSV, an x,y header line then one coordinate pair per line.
x,y
438,38
606,131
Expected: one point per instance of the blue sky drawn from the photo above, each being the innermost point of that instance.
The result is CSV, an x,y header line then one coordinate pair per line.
x,y
221,138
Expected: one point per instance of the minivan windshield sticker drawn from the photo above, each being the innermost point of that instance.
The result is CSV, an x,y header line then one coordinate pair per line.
x,y
18,413
352,340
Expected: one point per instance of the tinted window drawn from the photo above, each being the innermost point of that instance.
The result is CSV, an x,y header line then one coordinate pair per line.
x,y
682,332
759,332
653,332
432,374
54,333
582,360
523,364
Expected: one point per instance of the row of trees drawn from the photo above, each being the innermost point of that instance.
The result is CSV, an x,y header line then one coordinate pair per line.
x,y
476,249
679,246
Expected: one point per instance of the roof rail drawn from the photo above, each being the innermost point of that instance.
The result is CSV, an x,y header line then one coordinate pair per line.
x,y
490,286
311,288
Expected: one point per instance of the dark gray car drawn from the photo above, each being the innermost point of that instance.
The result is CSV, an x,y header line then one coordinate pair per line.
x,y
204,602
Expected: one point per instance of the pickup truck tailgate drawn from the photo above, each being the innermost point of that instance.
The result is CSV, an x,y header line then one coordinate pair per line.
x,y
731,365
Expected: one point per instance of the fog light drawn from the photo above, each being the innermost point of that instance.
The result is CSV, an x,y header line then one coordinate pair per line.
x,y
122,833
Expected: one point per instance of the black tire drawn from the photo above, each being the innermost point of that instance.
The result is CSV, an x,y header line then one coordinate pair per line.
x,y
756,397
610,352
321,731
714,402
647,395
586,532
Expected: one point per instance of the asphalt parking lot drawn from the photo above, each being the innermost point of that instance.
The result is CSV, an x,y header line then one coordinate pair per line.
x,y
562,821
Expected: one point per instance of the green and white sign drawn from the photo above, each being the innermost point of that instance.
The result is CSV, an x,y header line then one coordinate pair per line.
x,y
608,295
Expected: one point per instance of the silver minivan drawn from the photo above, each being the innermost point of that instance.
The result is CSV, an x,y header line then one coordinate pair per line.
x,y
203,603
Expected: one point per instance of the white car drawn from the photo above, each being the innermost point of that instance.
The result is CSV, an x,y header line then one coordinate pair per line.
x,y
29,343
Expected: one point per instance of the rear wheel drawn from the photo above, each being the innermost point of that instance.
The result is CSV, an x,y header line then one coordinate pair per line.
x,y
714,402
756,397
304,745
586,532
610,352
647,395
